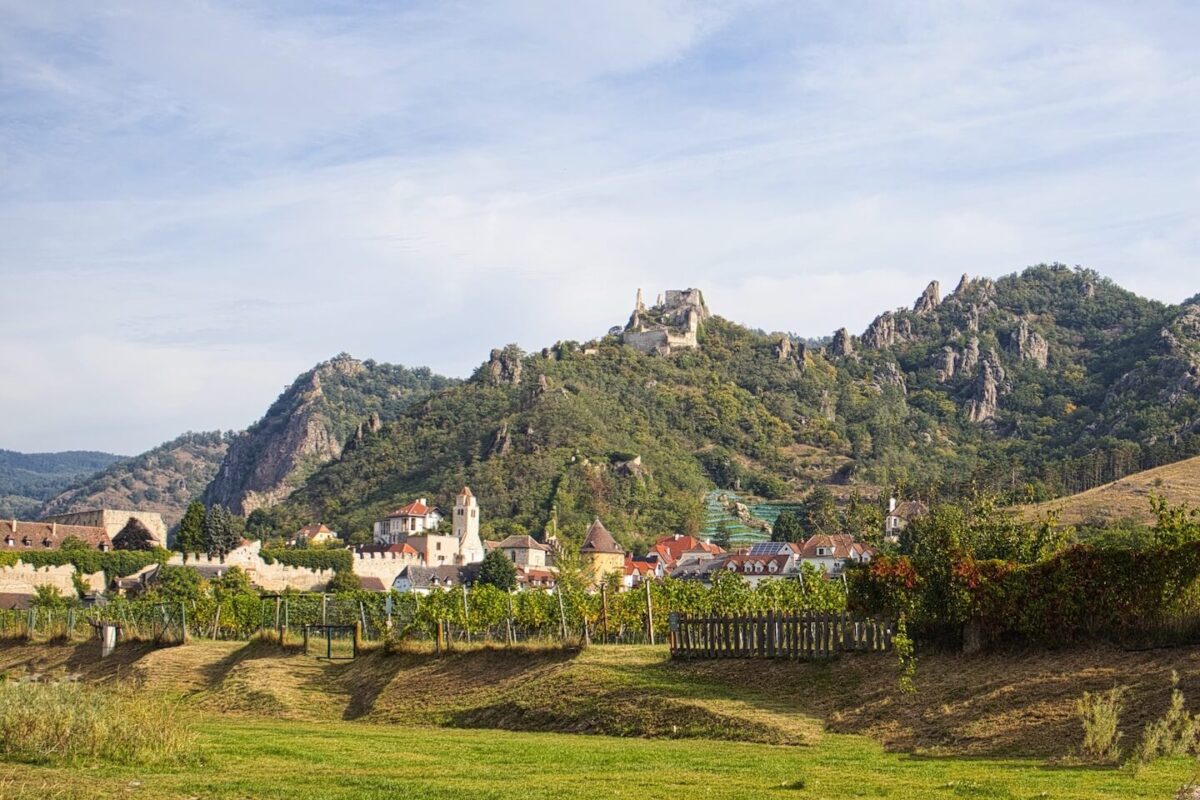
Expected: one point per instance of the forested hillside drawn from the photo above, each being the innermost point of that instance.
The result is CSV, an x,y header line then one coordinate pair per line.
x,y
27,480
164,479
1036,385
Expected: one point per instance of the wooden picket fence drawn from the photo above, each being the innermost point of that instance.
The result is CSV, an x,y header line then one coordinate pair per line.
x,y
775,634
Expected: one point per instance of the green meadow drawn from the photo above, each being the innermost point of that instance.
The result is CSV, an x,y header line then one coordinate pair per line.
x,y
249,758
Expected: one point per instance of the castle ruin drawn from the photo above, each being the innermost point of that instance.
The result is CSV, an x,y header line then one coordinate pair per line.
x,y
671,324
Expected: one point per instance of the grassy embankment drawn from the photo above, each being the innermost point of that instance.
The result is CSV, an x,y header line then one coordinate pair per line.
x,y
278,724
1127,498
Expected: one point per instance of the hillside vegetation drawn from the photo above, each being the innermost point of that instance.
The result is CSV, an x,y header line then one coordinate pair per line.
x,y
164,479
1036,385
28,480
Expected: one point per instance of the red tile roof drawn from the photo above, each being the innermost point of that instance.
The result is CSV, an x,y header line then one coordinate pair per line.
x,y
669,549
414,509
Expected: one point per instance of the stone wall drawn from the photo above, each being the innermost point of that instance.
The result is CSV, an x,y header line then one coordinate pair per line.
x,y
22,578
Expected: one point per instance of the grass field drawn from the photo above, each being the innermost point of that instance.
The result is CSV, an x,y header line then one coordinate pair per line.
x,y
272,759
497,723
1128,498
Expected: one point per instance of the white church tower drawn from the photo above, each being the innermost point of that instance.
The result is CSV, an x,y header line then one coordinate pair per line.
x,y
466,527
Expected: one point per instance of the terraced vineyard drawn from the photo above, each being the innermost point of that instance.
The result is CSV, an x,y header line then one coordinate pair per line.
x,y
715,511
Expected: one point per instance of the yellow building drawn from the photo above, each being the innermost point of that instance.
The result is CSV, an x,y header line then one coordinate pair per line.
x,y
600,554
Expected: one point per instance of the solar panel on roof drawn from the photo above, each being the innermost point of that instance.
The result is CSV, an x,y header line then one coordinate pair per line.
x,y
768,548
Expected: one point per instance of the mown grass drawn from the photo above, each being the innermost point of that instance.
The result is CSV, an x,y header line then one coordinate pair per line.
x,y
335,761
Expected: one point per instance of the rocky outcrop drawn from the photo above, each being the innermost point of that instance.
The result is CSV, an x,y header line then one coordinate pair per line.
x,y
842,345
1029,345
890,375
887,330
946,364
501,442
929,300
970,357
504,367
982,407
783,348
332,405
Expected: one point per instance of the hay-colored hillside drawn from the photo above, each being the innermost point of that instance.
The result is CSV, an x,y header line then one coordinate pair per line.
x,y
1128,498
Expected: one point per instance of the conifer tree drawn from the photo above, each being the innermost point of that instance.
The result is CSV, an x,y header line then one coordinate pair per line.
x,y
190,536
220,535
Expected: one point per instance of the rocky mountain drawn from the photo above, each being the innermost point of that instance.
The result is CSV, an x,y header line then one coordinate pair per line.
x,y
28,480
309,424
1038,384
164,479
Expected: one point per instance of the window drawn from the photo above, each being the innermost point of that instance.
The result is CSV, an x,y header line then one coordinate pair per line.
x,y
8,540
25,540
772,567
46,542
822,551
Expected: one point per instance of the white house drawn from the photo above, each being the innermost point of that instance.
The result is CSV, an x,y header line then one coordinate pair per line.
x,y
414,518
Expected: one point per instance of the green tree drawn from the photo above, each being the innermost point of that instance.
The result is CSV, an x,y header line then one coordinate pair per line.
x,y
189,538
721,537
344,580
498,570
787,528
234,581
220,535
818,512
175,583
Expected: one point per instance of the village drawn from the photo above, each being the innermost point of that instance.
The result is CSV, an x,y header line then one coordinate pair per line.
x,y
417,548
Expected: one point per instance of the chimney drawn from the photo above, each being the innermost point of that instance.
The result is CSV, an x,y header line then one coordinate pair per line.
x,y
891,504
423,501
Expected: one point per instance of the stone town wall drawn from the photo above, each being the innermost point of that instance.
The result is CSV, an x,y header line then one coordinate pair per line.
x,y
22,578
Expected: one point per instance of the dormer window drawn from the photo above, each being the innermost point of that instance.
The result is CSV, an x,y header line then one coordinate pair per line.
x,y
47,542
822,551
8,540
732,566
104,547
772,567
758,567
26,541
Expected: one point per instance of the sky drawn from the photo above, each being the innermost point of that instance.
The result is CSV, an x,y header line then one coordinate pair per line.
x,y
200,200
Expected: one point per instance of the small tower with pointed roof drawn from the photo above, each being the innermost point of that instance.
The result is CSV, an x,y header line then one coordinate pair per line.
x,y
600,554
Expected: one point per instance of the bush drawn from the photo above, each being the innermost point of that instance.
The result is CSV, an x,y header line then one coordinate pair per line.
x,y
1100,715
71,722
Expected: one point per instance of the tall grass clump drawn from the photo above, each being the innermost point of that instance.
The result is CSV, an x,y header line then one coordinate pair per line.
x,y
71,722
1173,734
1100,715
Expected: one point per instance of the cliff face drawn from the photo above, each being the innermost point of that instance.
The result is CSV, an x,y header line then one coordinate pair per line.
x,y
309,425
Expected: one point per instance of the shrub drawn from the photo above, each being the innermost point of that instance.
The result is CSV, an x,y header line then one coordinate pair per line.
x,y
1100,715
71,722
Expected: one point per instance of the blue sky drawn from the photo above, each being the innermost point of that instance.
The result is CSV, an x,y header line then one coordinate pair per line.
x,y
200,200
